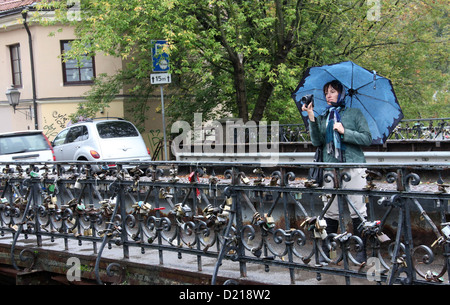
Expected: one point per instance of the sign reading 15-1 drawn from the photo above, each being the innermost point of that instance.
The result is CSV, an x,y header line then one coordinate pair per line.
x,y
160,56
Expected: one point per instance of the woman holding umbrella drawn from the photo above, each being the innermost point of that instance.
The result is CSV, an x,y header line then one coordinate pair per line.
x,y
341,131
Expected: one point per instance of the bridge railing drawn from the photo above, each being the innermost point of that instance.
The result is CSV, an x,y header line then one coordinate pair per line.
x,y
411,129
240,212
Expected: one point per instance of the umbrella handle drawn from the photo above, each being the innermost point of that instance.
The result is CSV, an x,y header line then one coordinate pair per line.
x,y
374,79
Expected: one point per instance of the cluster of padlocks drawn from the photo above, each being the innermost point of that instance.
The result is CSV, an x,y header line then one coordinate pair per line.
x,y
202,210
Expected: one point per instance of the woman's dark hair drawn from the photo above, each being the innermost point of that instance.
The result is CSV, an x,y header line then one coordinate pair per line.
x,y
335,84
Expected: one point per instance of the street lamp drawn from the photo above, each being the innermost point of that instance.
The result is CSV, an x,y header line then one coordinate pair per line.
x,y
13,96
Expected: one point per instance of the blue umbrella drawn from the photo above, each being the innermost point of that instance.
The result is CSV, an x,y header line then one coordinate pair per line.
x,y
371,93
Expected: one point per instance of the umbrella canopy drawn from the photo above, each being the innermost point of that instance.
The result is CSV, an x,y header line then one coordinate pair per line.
x,y
366,90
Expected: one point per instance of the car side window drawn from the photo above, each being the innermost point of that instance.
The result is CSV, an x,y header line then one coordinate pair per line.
x,y
76,134
60,138
84,134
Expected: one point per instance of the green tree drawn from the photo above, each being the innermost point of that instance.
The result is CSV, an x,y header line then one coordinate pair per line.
x,y
247,56
415,57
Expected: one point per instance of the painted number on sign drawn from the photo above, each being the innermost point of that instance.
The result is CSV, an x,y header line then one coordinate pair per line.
x,y
160,78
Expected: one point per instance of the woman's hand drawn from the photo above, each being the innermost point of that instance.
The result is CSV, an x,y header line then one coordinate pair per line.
x,y
339,127
310,110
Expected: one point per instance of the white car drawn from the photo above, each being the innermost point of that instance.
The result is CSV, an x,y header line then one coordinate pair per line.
x,y
112,141
30,146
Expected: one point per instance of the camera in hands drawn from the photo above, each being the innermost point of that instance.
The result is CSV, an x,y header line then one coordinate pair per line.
x,y
307,99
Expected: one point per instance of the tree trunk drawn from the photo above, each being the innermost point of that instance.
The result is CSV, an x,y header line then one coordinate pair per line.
x,y
266,87
264,94
241,92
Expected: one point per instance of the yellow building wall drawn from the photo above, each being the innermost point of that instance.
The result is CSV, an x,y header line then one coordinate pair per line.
x,y
55,116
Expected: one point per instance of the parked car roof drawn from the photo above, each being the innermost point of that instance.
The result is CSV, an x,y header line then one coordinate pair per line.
x,y
6,134
28,145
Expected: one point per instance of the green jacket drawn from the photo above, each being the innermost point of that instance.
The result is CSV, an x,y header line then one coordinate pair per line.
x,y
357,134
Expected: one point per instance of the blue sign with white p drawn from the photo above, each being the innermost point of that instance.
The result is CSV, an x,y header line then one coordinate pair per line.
x,y
160,56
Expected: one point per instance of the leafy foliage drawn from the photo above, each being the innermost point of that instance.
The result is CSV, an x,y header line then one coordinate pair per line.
x,y
246,57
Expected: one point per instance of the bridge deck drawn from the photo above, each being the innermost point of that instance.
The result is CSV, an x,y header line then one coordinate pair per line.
x,y
145,268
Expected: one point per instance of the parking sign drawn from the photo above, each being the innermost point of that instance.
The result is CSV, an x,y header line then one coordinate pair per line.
x,y
160,56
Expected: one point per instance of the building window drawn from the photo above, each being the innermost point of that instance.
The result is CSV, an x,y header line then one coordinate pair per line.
x,y
16,66
76,72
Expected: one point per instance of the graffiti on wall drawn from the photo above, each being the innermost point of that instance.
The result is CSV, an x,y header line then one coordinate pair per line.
x,y
154,136
54,124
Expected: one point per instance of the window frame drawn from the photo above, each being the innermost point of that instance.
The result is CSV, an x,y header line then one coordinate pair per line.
x,y
16,47
78,68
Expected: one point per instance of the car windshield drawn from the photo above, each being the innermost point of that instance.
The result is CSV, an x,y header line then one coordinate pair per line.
x,y
22,143
115,129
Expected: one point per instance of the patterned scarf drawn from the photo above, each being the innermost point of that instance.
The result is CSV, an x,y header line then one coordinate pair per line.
x,y
333,143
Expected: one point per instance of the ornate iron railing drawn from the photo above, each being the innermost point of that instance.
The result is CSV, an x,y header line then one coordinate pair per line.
x,y
422,129
247,214
416,129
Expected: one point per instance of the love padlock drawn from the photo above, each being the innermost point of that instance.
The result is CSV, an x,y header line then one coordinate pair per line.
x,y
382,238
77,184
319,228
446,230
321,223
52,203
227,207
309,223
226,210
182,210
343,237
269,221
322,234
273,181
438,241
245,180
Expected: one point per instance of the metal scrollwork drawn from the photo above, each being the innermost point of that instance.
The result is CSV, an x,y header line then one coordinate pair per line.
x,y
242,216
29,256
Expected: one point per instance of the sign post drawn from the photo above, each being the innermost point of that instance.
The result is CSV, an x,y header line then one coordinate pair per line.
x,y
160,59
